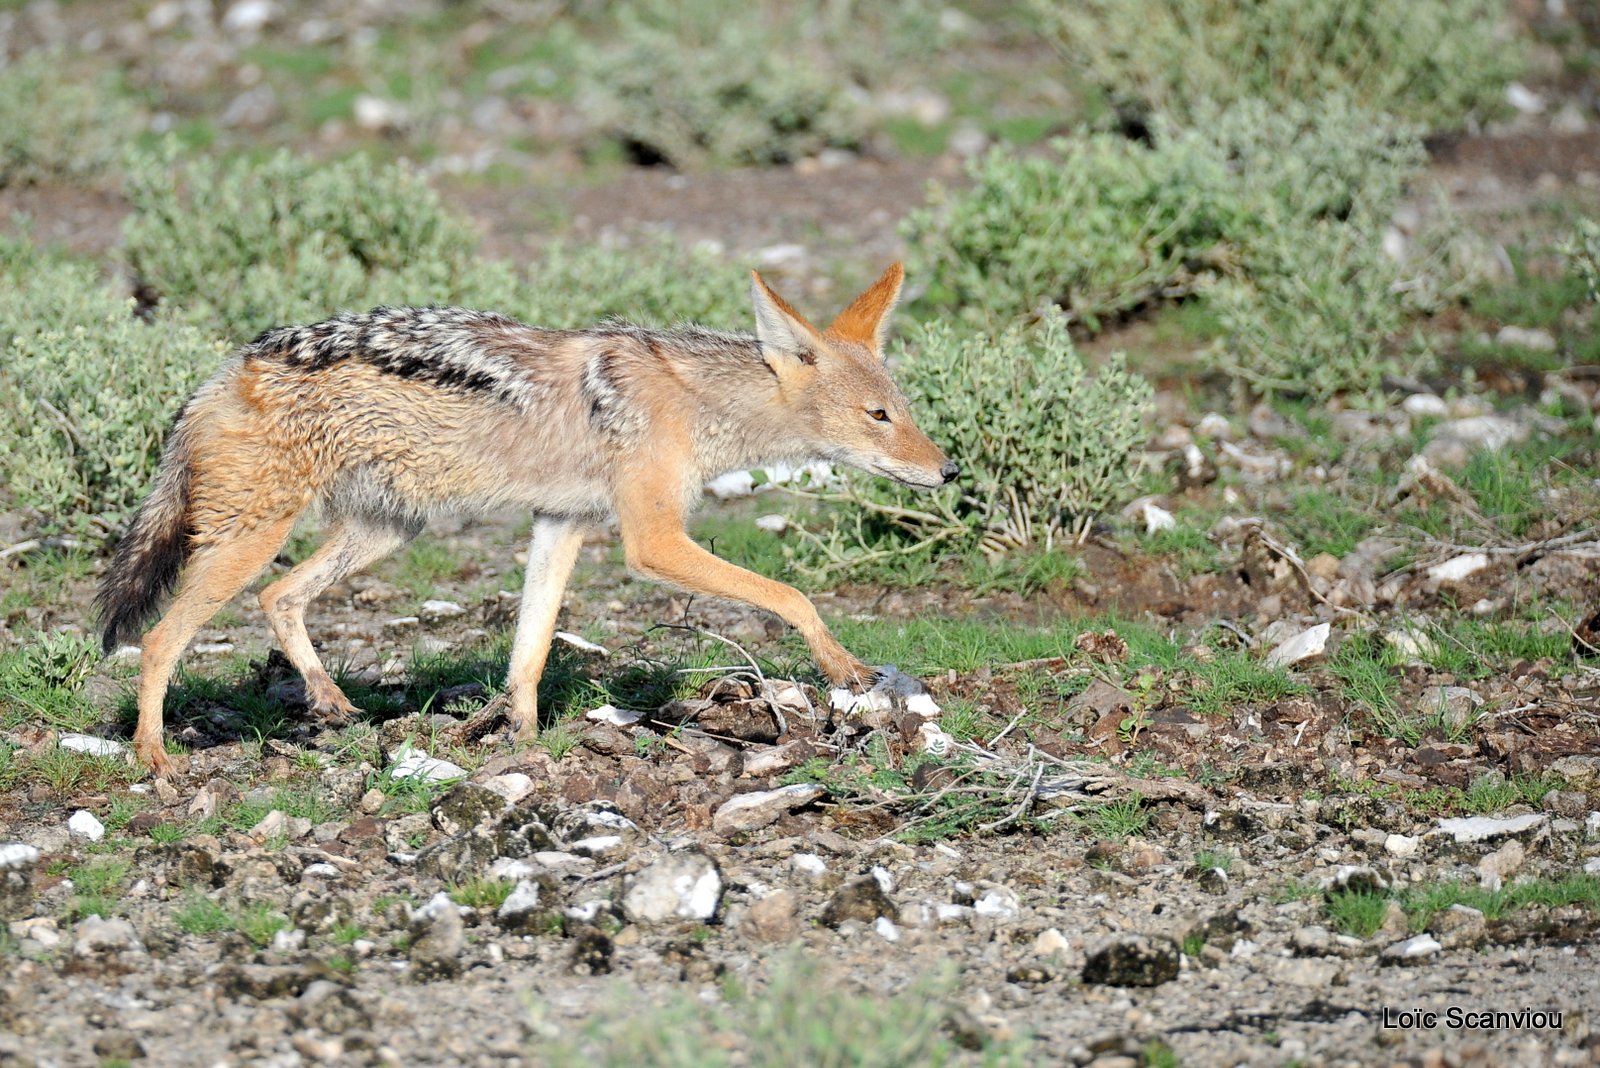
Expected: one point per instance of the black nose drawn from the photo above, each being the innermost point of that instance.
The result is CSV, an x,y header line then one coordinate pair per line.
x,y
950,470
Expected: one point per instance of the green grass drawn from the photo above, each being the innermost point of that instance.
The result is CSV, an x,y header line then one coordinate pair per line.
x,y
199,915
1367,678
97,887
259,923
803,1016
482,893
1235,677
1207,859
1356,912
1576,888
1116,820
1320,521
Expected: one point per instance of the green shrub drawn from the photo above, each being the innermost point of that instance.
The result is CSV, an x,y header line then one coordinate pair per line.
x,y
77,442
242,246
57,128
1044,446
1438,62
713,82
1272,217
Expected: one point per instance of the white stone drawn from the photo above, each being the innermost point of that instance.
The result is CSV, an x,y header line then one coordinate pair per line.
x,y
414,763
1524,99
288,941
934,740
1425,405
17,855
922,704
581,644
678,886
88,743
1458,567
1486,828
513,785
319,870
1213,425
375,113
433,611
884,878
1302,646
401,622
95,934
999,902
1492,432
733,484
772,524
1401,845
1410,642
1592,866
886,929
1423,945
1050,943
599,846
271,825
752,811
617,717
808,864
521,901
213,648
248,17
873,700
82,824
1526,337
952,915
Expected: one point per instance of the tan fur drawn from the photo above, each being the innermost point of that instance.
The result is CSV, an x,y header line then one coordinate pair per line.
x,y
389,418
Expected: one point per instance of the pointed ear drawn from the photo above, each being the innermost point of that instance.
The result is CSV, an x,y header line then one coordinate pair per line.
x,y
866,320
781,328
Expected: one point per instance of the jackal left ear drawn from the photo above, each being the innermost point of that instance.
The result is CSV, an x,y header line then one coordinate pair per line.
x,y
866,320
781,328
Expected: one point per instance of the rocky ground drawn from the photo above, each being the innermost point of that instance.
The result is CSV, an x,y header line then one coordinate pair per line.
x,y
1246,789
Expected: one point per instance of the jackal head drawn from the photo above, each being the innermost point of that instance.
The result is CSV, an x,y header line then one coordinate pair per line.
x,y
837,391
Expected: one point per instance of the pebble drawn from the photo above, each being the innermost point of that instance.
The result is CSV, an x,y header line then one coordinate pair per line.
x,y
1050,943
1411,950
17,862
434,611
97,935
999,903
1458,567
413,763
88,743
752,811
808,864
1302,646
1470,829
683,885
82,824
1133,960
773,917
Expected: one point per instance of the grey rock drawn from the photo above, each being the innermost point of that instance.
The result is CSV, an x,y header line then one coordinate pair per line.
x,y
752,811
682,885
861,899
1411,951
17,861
330,1008
95,936
438,939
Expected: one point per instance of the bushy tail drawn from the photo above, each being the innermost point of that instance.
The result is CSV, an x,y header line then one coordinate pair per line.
x,y
145,568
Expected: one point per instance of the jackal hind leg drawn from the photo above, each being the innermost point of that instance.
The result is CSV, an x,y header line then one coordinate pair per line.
x,y
552,552
352,544
216,572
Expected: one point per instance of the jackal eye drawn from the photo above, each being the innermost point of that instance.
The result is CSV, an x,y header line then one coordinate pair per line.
x,y
879,414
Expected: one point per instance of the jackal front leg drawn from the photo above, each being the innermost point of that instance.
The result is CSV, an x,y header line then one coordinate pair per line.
x,y
552,551
657,546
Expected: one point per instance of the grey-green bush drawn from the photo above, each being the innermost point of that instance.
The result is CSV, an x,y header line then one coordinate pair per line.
x,y
242,246
86,392
57,128
716,83
1045,446
1228,210
1437,62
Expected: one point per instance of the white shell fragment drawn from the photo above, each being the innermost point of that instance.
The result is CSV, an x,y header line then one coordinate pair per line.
x,y
1302,646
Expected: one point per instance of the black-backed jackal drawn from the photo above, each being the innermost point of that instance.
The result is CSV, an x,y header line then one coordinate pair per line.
x,y
386,418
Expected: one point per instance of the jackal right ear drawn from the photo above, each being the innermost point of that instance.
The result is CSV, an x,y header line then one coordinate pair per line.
x,y
782,330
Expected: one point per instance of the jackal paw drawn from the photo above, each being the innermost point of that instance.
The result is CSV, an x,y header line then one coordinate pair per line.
x,y
329,704
153,755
